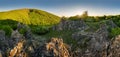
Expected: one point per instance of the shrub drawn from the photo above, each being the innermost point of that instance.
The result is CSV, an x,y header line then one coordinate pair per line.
x,y
7,29
11,23
115,32
39,29
22,31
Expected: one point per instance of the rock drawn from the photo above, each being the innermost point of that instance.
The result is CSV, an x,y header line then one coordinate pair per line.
x,y
54,48
57,47
28,34
114,48
13,52
111,24
70,25
18,50
19,26
16,34
87,44
116,41
95,42
15,38
79,35
100,37
3,43
1,54
2,35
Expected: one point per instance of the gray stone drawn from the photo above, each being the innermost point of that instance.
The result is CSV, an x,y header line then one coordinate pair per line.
x,y
70,25
16,34
1,54
2,35
111,24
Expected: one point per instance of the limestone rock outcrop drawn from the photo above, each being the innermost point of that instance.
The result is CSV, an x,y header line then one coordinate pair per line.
x,y
54,48
87,43
18,50
58,48
1,54
93,42
2,35
70,25
114,47
111,24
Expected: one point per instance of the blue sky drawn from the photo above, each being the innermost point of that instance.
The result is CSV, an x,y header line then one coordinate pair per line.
x,y
65,7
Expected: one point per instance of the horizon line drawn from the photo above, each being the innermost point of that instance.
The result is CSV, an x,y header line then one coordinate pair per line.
x,y
89,14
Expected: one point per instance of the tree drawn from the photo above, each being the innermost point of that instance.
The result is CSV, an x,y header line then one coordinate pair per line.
x,y
84,15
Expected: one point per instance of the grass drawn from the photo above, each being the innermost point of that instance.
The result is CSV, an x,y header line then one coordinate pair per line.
x,y
30,16
93,26
66,35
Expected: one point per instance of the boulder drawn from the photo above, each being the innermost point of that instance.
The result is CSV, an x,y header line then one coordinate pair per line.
x,y
2,35
16,34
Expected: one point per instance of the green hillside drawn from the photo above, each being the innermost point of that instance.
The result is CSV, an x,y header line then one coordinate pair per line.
x,y
30,16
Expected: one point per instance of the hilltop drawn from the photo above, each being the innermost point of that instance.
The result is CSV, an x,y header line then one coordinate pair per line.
x,y
30,16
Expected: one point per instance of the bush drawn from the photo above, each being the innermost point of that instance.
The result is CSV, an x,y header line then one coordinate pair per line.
x,y
22,31
115,32
90,20
7,29
39,29
11,23
77,17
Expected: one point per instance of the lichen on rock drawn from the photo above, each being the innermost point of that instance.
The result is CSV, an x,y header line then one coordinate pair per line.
x,y
58,48
18,50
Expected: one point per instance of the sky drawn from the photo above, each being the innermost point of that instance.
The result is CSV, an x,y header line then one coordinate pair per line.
x,y
66,7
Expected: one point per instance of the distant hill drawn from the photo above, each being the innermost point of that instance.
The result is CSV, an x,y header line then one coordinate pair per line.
x,y
30,16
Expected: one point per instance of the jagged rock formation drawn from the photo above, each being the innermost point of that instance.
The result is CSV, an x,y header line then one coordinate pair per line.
x,y
97,43
96,47
99,38
18,50
70,25
15,46
22,47
88,44
111,24
54,48
2,35
0,54
3,43
114,48
58,48
93,42
19,46
28,33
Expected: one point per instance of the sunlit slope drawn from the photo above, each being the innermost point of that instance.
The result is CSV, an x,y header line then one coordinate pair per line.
x,y
30,16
